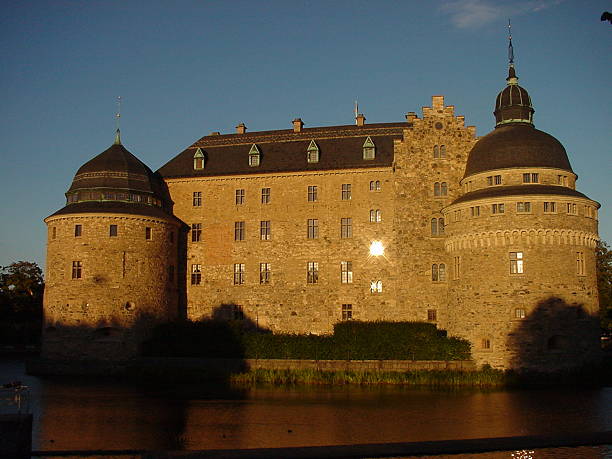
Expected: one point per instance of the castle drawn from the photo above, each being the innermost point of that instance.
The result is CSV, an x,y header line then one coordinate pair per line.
x,y
297,229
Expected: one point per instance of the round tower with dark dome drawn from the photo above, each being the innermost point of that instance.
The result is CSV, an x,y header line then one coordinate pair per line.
x,y
522,243
112,256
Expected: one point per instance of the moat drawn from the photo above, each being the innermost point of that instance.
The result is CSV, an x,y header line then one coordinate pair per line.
x,y
74,414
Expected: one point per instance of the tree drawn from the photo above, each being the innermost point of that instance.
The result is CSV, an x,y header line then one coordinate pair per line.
x,y
21,290
604,283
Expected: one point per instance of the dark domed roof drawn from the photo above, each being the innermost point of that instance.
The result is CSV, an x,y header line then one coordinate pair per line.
x,y
516,145
513,103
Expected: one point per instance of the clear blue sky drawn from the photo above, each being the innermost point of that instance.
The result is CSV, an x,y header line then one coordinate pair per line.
x,y
186,68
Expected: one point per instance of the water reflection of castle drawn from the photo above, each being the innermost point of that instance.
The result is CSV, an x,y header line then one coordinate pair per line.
x,y
304,227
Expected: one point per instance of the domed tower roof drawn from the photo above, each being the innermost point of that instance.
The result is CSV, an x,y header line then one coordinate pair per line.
x,y
513,104
117,181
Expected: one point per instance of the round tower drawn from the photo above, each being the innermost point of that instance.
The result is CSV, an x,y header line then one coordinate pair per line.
x,y
111,260
522,243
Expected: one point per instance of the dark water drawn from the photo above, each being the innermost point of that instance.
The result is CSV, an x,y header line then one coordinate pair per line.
x,y
73,415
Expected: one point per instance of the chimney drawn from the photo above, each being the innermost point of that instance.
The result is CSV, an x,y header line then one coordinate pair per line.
x,y
411,116
297,125
215,133
360,119
241,128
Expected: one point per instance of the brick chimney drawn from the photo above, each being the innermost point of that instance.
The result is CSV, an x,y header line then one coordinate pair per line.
x,y
297,125
241,128
411,116
360,119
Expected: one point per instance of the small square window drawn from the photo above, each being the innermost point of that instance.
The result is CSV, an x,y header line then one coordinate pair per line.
x,y
475,211
520,313
432,315
376,286
497,179
550,207
485,343
523,207
112,231
375,185
346,191
265,195
239,197
77,269
516,262
196,274
497,209
347,312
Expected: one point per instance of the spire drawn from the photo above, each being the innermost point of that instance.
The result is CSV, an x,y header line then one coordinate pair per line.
x,y
512,78
117,118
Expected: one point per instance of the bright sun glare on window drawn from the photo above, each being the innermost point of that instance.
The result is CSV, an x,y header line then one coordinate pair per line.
x,y
376,249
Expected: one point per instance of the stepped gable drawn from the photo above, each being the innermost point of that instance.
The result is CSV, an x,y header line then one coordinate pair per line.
x,y
340,147
515,142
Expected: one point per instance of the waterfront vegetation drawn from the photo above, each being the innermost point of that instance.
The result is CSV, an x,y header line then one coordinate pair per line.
x,y
352,340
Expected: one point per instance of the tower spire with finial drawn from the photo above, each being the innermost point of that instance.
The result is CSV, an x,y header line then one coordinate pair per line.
x,y
117,118
512,78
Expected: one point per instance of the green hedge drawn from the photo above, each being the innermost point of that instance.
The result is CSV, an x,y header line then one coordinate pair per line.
x,y
350,341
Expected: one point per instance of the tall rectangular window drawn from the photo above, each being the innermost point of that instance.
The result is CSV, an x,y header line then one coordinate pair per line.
x,y
457,267
148,233
516,262
313,228
313,272
550,207
347,311
346,227
239,230
346,272
312,193
580,263
239,197
346,191
112,231
78,230
77,269
197,198
196,274
265,273
196,232
265,230
238,273
375,216
265,195
523,207
53,232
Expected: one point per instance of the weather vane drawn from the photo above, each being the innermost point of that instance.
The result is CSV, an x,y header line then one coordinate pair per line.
x,y
118,115
510,48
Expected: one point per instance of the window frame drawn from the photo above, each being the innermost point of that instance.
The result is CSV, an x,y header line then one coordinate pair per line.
x,y
77,269
239,273
197,199
347,311
196,274
346,192
313,193
346,227
517,262
196,232
239,196
266,195
265,230
265,273
78,230
346,272
113,230
239,231
312,270
312,228
312,153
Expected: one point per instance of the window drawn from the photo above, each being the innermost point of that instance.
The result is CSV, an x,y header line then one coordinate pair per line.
x,y
346,272
516,262
562,180
550,207
523,207
497,209
239,197
313,272
237,313
588,211
440,189
53,232
519,313
375,216
485,343
78,230
148,233
346,191
531,177
457,215
196,274
376,286
432,315
497,179
112,231
196,232
265,195
375,185
197,198
346,227
369,150
490,180
437,226
254,156
580,263
436,151
239,230
572,209
312,154
475,211
265,273
77,269
438,272
265,230
312,193
442,151
238,273
313,228
198,159
457,267
467,186
347,312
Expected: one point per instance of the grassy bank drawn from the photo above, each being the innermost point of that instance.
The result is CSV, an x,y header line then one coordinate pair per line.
x,y
433,378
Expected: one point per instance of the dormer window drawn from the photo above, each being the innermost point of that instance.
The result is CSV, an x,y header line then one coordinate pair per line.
x,y
312,154
198,159
369,149
254,156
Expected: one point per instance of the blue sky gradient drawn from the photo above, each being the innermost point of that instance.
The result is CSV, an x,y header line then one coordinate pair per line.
x,y
186,68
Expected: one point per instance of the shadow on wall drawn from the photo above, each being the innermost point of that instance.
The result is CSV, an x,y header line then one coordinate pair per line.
x,y
554,336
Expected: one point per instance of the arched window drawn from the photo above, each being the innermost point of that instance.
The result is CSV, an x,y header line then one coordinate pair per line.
x,y
436,152
443,189
441,272
375,185
375,216
434,226
312,154
434,272
442,151
437,189
254,156
198,159
369,149
440,226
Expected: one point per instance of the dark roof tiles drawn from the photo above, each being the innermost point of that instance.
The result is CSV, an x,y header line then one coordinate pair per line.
x,y
518,190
